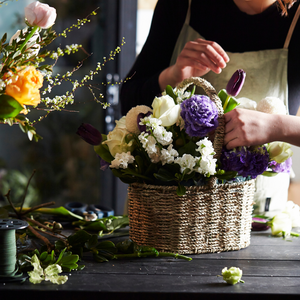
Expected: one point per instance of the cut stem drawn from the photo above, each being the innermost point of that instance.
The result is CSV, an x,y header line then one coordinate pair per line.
x,y
226,102
35,28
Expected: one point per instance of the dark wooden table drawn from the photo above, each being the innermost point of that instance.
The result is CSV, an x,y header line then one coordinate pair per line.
x,y
271,270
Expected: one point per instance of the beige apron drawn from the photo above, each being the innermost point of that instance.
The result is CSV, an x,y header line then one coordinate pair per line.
x,y
266,75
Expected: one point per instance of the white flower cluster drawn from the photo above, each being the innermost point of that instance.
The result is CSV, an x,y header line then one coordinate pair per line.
x,y
158,135
205,164
122,160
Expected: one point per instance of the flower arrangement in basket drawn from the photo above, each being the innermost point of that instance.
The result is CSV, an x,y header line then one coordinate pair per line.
x,y
187,192
23,69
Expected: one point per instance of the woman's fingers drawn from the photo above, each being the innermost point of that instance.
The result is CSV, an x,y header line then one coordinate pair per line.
x,y
203,54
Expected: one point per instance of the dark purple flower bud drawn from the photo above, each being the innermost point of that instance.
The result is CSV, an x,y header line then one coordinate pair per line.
x,y
103,164
259,224
90,134
236,83
140,116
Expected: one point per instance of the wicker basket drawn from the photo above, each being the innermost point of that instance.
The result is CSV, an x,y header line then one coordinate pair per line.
x,y
211,218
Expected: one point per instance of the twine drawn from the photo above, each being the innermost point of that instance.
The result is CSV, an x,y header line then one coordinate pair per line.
x,y
8,250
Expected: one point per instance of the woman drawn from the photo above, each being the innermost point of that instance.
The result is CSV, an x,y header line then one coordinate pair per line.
x,y
212,39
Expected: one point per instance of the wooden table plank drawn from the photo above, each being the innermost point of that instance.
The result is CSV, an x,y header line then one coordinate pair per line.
x,y
271,270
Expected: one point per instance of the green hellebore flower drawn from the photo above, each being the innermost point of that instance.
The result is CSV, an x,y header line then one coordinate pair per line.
x,y
232,275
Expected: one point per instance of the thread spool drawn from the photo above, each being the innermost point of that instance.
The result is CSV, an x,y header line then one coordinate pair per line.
x,y
8,250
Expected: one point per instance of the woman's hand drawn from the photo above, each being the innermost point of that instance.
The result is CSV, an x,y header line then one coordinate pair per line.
x,y
247,127
196,59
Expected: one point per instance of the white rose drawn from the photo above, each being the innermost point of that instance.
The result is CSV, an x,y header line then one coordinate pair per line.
x,y
294,211
279,151
165,109
116,139
281,223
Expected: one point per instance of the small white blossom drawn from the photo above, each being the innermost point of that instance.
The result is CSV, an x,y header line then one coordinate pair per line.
x,y
206,165
122,160
163,136
168,155
187,161
205,147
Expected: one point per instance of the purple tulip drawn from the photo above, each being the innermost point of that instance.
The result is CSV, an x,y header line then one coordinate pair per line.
x,y
90,134
258,226
236,82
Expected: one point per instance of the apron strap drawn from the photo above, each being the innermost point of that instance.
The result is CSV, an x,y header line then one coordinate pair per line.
x,y
292,27
188,14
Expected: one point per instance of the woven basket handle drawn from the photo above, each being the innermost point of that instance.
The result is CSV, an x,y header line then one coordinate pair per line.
x,y
212,94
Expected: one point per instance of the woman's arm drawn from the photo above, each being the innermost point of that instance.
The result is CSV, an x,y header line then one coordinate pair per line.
x,y
246,128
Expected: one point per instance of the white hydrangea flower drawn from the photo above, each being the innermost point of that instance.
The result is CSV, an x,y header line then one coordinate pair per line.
x,y
168,155
187,161
122,160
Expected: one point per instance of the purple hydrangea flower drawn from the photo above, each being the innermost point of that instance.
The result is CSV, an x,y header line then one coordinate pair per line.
x,y
245,161
284,167
200,115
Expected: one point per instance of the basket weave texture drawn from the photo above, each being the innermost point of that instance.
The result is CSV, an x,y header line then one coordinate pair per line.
x,y
210,218
206,219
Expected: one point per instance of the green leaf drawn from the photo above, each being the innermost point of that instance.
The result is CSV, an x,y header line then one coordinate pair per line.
x,y
92,242
117,223
181,190
189,148
59,211
107,246
232,103
60,255
103,151
170,92
4,37
43,256
227,175
79,237
99,258
9,107
269,173
164,175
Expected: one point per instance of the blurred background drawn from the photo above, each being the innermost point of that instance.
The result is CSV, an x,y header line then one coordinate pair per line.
x,y
67,168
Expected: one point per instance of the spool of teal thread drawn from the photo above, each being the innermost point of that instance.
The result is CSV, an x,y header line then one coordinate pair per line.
x,y
8,249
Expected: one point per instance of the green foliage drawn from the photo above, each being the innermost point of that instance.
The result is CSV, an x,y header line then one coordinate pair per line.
x,y
9,107
107,224
232,103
